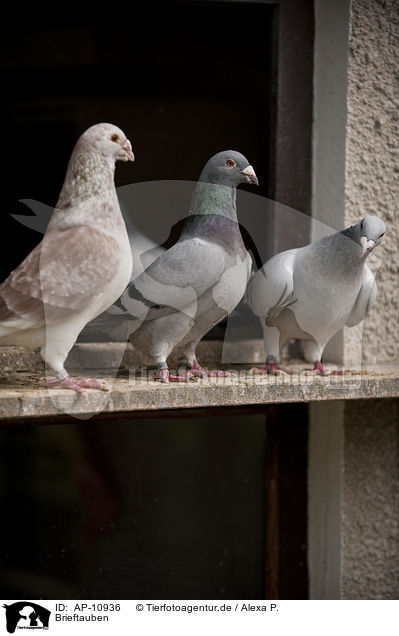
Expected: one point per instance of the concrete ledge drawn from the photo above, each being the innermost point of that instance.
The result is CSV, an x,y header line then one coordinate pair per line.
x,y
23,394
29,399
16,359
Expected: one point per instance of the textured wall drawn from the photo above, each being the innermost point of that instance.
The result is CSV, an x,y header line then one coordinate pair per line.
x,y
372,157
353,487
370,501
356,151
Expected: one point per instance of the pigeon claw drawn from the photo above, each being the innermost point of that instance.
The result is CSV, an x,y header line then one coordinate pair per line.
x,y
164,375
320,369
76,384
271,368
218,373
200,372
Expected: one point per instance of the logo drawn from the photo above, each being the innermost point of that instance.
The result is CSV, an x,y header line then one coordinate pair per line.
x,y
26,615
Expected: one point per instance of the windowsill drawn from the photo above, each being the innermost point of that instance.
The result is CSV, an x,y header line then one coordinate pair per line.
x,y
24,396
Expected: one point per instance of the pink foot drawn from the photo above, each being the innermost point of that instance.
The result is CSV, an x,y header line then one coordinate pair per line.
x,y
75,384
272,368
200,372
320,369
165,376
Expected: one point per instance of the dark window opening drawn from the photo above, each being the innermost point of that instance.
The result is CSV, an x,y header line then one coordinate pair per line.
x,y
209,504
184,80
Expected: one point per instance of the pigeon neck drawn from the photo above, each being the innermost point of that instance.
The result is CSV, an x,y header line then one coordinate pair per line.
x,y
340,252
88,196
88,175
351,248
213,198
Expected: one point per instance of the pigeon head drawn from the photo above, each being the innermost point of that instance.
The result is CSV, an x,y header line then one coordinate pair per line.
x,y
108,140
369,233
228,168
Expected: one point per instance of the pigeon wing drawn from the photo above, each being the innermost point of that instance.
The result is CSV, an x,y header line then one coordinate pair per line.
x,y
365,299
176,279
271,289
59,277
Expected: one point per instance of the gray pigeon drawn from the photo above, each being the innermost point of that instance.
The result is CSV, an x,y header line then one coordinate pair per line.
x,y
196,283
81,266
311,292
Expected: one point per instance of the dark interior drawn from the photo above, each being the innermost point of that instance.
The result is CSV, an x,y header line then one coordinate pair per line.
x,y
184,80
155,507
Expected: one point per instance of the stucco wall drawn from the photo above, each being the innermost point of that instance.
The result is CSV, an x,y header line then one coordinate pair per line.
x,y
370,501
372,166
353,521
356,150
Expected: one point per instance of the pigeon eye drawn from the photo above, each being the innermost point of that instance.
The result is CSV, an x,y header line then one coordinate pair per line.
x,y
115,138
230,163
381,235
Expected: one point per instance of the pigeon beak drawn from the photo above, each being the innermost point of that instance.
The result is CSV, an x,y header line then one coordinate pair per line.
x,y
367,246
250,175
127,147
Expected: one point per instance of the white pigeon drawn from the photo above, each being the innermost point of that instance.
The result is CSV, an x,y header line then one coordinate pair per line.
x,y
196,283
81,266
113,325
109,326
310,293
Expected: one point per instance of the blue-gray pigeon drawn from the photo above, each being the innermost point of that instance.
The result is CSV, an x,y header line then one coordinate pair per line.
x,y
196,283
81,266
310,293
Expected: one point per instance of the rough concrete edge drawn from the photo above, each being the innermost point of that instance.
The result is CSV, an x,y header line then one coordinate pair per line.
x,y
31,404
